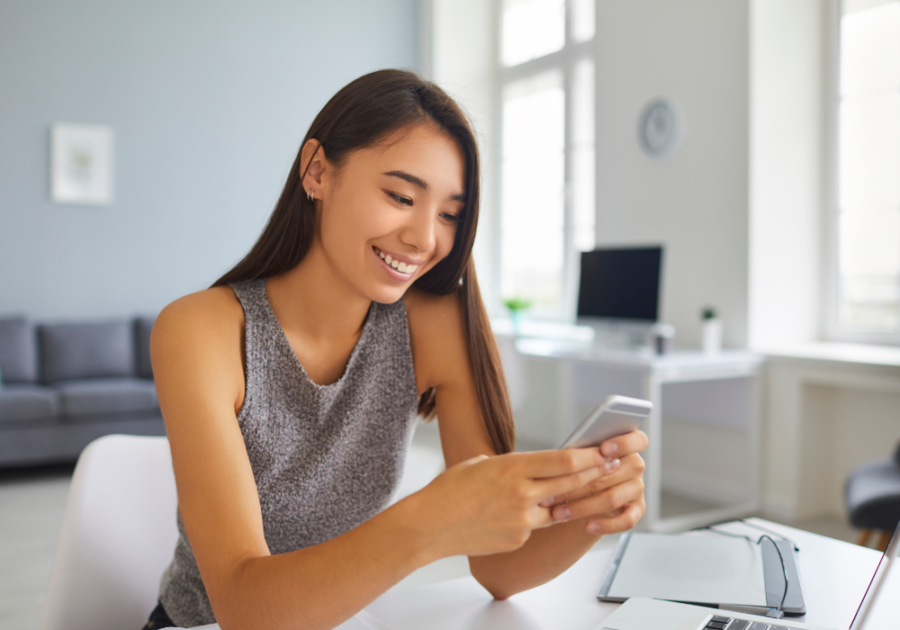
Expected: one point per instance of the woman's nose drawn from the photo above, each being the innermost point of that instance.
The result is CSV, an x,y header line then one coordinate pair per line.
x,y
419,232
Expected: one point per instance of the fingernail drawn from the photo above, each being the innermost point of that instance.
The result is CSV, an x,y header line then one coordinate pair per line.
x,y
593,527
562,513
609,448
547,502
612,464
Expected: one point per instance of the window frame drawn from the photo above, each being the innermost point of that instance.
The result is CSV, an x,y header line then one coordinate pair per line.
x,y
565,61
831,288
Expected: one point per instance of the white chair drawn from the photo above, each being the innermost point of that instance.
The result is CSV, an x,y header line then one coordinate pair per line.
x,y
119,532
118,536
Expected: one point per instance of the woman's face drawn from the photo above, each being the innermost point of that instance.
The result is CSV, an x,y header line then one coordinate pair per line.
x,y
391,212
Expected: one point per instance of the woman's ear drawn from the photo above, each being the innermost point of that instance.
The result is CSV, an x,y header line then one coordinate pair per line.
x,y
313,167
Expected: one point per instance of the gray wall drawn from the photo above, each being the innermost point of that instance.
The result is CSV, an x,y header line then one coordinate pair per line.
x,y
695,53
209,100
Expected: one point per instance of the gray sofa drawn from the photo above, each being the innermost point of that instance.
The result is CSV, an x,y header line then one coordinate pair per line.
x,y
63,385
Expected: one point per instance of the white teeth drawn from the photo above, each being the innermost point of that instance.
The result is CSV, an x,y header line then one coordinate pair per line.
x,y
402,267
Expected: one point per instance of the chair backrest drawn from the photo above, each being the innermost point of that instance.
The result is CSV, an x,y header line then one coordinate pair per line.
x,y
118,536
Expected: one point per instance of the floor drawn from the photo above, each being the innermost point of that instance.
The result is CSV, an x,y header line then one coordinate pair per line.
x,y
31,510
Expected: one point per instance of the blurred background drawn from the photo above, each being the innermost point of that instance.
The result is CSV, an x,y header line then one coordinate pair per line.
x,y
756,143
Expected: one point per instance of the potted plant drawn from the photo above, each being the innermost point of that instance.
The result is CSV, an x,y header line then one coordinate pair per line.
x,y
517,305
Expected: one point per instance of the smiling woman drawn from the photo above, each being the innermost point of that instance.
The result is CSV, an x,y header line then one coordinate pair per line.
x,y
289,390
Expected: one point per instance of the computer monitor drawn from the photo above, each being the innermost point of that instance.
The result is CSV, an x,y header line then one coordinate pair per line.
x,y
620,285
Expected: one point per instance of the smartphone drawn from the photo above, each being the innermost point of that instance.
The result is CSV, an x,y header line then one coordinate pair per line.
x,y
615,416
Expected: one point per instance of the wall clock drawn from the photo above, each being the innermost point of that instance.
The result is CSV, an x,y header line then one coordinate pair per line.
x,y
659,128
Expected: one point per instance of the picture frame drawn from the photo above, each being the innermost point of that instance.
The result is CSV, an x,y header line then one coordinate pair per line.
x,y
81,170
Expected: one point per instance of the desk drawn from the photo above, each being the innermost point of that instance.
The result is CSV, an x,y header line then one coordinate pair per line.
x,y
706,412
829,407
835,575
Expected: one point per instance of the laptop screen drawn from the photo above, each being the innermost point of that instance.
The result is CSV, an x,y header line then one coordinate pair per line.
x,y
877,582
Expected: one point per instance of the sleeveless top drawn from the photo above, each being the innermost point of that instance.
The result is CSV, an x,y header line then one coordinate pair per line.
x,y
325,458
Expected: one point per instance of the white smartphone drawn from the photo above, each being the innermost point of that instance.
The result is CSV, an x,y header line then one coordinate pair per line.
x,y
616,415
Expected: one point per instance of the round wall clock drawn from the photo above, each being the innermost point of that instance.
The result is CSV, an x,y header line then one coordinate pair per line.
x,y
659,129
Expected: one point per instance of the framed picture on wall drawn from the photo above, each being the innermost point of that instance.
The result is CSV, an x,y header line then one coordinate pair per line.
x,y
81,170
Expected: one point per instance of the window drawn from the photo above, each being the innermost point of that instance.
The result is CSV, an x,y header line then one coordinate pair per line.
x,y
546,96
867,221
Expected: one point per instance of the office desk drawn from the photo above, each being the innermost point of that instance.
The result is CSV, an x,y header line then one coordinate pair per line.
x,y
704,430
835,576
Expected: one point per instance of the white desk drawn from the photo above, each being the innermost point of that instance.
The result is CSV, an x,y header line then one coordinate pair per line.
x,y
835,576
829,407
704,431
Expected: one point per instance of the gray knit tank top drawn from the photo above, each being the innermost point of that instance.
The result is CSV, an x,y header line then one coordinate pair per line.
x,y
325,458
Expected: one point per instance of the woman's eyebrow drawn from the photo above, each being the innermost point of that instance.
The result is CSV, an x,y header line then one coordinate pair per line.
x,y
417,181
409,177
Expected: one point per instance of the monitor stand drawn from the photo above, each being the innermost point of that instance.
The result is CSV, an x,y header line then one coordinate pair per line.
x,y
618,335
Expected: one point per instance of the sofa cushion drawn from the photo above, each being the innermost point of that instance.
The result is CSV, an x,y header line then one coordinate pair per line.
x,y
142,328
87,350
106,395
18,350
27,402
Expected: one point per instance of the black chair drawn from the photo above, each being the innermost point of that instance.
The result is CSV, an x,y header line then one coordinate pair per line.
x,y
872,496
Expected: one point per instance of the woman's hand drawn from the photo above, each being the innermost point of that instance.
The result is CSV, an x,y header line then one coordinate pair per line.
x,y
488,505
613,502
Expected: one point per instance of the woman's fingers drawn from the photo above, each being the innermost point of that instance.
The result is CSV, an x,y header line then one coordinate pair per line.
x,y
543,464
617,472
610,499
627,518
633,442
548,490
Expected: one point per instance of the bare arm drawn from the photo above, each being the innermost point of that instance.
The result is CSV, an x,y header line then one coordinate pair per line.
x,y
613,502
196,351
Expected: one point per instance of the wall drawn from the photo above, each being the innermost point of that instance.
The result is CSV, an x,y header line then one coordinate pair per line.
x,y
209,101
694,53
467,73
787,125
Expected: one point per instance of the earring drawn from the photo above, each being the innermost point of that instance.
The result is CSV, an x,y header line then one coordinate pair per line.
x,y
310,195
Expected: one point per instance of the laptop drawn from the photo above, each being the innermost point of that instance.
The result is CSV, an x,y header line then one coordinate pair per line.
x,y
641,613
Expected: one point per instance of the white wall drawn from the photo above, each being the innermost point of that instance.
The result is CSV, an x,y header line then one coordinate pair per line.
x,y
209,100
694,53
787,161
461,60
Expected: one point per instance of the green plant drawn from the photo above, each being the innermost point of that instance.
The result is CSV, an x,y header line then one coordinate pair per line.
x,y
517,304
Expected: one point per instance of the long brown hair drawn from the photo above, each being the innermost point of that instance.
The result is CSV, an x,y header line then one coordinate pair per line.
x,y
360,115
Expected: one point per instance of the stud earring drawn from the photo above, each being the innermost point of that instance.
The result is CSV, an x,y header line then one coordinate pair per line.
x,y
310,195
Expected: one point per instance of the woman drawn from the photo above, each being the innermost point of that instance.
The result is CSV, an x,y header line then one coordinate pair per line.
x,y
289,391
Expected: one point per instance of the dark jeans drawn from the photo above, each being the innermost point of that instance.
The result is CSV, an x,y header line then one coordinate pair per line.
x,y
158,619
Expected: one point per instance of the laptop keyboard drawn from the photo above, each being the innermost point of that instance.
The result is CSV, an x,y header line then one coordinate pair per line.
x,y
727,623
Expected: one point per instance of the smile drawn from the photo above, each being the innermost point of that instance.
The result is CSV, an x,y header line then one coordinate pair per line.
x,y
400,266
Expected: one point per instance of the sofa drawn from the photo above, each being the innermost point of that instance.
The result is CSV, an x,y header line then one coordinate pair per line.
x,y
64,384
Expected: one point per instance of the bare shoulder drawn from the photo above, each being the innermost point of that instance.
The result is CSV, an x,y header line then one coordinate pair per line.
x,y
198,338
428,309
209,312
437,337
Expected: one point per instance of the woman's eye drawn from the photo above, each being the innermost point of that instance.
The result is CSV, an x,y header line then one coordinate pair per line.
x,y
453,218
401,200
